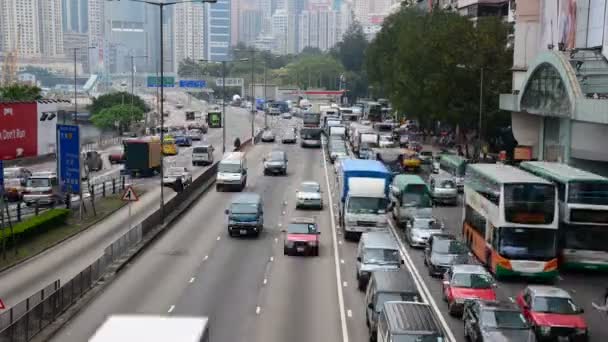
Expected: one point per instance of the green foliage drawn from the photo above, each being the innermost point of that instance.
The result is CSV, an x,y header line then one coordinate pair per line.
x,y
123,114
112,99
351,50
20,92
429,65
314,71
47,220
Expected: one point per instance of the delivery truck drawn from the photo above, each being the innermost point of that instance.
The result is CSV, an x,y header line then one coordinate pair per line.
x,y
364,188
142,157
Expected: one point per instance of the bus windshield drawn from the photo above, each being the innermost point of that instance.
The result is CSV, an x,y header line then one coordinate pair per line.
x,y
584,237
310,134
527,243
588,193
529,203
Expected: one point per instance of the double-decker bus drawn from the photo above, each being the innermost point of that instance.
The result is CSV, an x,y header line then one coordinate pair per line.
x,y
511,221
583,203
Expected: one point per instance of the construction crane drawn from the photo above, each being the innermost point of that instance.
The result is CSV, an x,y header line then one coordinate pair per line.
x,y
11,60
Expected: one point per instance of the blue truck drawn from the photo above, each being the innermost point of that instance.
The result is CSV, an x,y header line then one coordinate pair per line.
x,y
364,200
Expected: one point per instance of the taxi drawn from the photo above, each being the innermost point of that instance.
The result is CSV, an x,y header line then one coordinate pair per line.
x,y
169,146
302,237
465,282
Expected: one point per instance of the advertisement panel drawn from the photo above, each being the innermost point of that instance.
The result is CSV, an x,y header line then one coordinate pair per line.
x,y
68,160
47,121
19,131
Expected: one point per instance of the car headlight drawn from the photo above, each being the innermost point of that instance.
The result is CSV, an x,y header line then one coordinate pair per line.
x,y
581,331
459,300
544,330
312,243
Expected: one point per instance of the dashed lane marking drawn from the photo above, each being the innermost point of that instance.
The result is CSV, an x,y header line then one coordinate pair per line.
x,y
171,308
345,284
206,257
258,310
192,280
341,261
349,313
218,238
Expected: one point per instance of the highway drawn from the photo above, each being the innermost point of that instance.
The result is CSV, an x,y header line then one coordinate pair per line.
x,y
67,259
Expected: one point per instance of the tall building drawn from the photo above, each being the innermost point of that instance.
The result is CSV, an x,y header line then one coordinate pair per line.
x,y
235,23
51,28
126,33
96,20
265,6
319,28
79,41
217,20
75,16
250,26
188,32
279,31
20,27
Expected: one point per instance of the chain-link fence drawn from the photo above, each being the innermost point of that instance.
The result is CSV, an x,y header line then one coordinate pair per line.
x,y
19,211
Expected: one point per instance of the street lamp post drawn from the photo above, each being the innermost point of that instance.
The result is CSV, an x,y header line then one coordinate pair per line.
x,y
133,82
161,6
252,94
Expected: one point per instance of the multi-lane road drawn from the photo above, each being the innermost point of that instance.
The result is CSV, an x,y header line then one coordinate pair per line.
x,y
252,292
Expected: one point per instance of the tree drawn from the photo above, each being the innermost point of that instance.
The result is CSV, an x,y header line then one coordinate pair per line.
x,y
20,92
351,50
315,71
124,115
112,99
429,65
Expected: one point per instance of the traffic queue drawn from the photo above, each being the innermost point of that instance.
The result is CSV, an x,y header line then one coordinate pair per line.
x,y
510,229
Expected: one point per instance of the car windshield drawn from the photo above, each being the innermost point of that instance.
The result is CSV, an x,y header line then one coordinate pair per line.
x,y
503,319
443,246
380,256
276,156
367,205
200,150
556,305
38,182
301,228
426,224
229,167
447,184
310,187
386,138
244,208
472,280
417,338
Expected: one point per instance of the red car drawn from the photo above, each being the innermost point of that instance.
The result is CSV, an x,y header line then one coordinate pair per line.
x,y
462,282
553,314
302,237
116,158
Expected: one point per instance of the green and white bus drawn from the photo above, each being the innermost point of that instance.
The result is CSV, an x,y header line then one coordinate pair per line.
x,y
454,165
511,220
583,203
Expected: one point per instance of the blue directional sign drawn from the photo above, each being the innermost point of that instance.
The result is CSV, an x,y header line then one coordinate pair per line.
x,y
68,158
1,180
193,84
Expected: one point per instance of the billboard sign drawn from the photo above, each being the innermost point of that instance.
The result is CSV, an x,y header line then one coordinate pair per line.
x,y
230,82
68,160
154,81
19,130
192,84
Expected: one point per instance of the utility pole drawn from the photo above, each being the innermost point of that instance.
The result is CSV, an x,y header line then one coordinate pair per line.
x,y
265,99
133,85
253,109
223,106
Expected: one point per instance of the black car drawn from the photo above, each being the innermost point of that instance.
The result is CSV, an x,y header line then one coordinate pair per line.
x,y
495,322
443,251
268,136
275,162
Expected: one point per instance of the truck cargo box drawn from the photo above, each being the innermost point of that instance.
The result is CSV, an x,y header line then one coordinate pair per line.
x,y
363,169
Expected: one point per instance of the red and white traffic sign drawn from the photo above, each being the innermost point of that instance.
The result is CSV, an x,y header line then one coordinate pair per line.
x,y
129,195
2,305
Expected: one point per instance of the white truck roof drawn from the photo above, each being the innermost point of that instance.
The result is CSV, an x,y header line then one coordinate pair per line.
x,y
366,187
151,328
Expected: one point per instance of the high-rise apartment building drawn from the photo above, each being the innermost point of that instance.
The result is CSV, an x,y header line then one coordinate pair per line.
x,y
80,42
188,32
279,31
218,22
265,6
126,33
250,26
319,28
20,27
75,16
51,28
96,19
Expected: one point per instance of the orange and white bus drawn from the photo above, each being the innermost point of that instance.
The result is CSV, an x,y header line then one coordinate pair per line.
x,y
511,221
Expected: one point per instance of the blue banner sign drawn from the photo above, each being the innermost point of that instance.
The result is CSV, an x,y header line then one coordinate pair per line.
x,y
193,84
68,158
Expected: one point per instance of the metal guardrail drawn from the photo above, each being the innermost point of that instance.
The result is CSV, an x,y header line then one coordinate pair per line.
x,y
103,142
23,321
20,211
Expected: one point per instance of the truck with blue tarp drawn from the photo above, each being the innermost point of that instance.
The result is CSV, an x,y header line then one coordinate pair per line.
x,y
364,188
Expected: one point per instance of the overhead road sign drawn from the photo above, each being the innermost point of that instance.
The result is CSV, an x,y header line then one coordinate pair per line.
x,y
130,195
192,84
230,82
154,81
68,160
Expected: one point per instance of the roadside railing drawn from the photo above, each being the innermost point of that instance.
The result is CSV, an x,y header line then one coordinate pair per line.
x,y
101,143
23,323
19,211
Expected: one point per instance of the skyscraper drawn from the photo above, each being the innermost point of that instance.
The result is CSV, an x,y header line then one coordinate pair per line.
x,y
217,20
188,32
250,25
126,34
279,31
75,16
51,29
319,29
20,27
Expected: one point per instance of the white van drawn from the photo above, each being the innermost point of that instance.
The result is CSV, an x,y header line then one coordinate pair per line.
x,y
232,171
151,328
202,155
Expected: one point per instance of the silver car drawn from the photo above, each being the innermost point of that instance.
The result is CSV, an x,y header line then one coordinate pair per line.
x,y
419,230
309,195
443,189
42,188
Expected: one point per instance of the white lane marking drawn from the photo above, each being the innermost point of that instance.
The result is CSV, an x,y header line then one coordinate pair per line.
x,y
192,280
218,238
206,257
276,240
341,261
265,281
422,288
171,308
560,278
271,259
257,310
336,257
512,300
349,313
345,284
